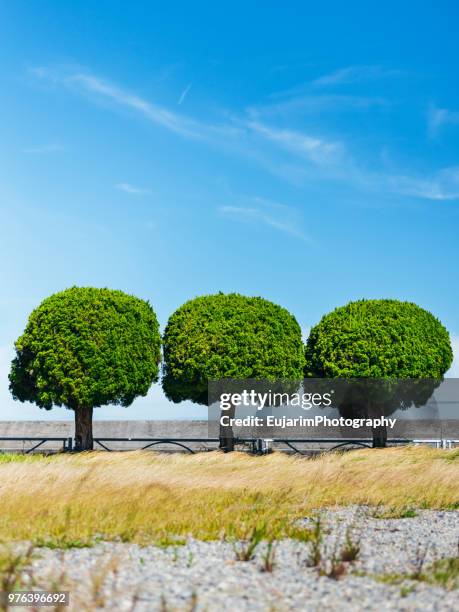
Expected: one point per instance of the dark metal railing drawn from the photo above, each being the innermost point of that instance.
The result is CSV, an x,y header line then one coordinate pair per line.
x,y
256,445
182,442
67,442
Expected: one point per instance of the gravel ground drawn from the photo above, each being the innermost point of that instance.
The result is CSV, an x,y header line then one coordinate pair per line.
x,y
206,575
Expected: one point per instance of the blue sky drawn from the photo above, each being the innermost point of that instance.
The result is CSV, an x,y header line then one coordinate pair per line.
x,y
305,152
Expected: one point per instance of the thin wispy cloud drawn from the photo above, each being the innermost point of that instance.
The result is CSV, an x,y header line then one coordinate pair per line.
x,y
316,150
310,157
355,74
277,216
168,119
184,93
101,89
441,186
226,134
43,149
440,117
334,161
270,204
314,104
131,189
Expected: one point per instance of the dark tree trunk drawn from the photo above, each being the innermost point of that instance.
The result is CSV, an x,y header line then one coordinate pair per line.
x,y
379,433
379,436
226,432
83,429
357,405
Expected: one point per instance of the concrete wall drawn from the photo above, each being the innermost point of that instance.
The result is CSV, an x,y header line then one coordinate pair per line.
x,y
103,429
193,429
108,429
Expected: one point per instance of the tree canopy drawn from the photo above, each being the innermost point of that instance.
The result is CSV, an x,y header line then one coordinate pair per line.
x,y
391,355
87,347
228,336
378,339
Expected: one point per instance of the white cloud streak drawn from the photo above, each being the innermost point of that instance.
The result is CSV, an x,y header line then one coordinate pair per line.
x,y
249,136
131,189
157,114
443,185
306,103
355,74
184,93
280,217
316,150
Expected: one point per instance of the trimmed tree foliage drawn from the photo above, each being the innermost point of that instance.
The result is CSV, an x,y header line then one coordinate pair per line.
x,y
381,339
86,347
228,336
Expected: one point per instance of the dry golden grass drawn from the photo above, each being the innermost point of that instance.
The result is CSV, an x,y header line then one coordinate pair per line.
x,y
143,496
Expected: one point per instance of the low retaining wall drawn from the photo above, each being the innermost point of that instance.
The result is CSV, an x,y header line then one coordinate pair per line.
x,y
102,429
190,429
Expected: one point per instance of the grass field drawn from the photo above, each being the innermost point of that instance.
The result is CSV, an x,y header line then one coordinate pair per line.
x,y
73,500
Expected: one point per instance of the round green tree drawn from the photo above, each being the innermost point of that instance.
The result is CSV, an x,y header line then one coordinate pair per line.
x,y
228,336
381,339
83,348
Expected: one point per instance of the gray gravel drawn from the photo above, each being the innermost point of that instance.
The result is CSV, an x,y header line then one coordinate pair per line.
x,y
205,575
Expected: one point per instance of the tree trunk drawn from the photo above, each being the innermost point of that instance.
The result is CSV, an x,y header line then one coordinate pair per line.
x,y
379,433
226,432
379,436
83,429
